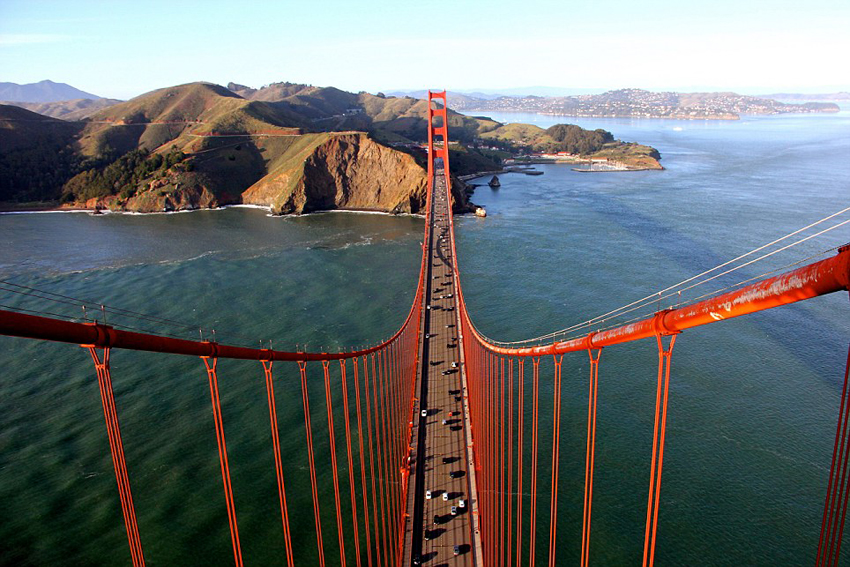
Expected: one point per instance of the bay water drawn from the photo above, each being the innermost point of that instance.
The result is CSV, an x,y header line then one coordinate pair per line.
x,y
753,401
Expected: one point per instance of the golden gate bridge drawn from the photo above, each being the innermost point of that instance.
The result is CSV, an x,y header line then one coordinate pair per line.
x,y
467,471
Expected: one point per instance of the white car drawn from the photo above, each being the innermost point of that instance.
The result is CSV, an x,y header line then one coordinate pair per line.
x,y
445,496
454,510
427,495
424,413
461,503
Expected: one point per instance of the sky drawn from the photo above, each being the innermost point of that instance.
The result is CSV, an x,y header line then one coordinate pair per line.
x,y
120,49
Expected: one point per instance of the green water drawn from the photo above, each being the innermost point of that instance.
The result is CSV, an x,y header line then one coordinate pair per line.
x,y
752,403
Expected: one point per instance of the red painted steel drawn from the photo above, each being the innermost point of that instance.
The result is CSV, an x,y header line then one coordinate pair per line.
x,y
116,447
211,364
593,390
305,399
837,492
351,486
820,278
662,395
278,464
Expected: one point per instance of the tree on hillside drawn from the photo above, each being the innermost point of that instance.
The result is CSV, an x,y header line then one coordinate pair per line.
x,y
576,140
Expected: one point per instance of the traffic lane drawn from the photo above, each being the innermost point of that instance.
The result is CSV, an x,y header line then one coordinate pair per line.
x,y
444,439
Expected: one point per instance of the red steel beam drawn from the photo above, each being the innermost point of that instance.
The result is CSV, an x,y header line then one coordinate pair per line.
x,y
813,280
45,328
27,326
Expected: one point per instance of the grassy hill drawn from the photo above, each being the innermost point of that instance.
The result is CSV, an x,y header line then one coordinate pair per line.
x,y
36,155
200,145
390,119
574,140
19,127
174,114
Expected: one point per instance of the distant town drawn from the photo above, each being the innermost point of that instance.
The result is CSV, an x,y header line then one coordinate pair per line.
x,y
640,103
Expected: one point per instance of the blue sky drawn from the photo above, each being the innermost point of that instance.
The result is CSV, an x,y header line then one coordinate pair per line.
x,y
121,49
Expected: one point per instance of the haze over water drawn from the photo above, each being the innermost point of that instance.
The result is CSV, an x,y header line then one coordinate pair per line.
x,y
753,401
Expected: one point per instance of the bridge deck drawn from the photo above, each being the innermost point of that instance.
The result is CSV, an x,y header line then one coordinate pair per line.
x,y
441,437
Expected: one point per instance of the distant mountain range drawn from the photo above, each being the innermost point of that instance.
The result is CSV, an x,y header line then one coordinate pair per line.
x,y
42,91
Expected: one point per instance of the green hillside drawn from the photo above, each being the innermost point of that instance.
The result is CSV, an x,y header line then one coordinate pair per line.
x,y
573,140
390,119
36,155
201,144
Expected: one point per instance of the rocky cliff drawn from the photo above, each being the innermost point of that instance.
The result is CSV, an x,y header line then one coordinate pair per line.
x,y
346,171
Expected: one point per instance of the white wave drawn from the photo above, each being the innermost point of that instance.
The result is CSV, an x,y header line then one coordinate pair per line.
x,y
367,241
246,206
48,211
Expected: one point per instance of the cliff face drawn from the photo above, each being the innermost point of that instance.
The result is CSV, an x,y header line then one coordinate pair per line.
x,y
344,171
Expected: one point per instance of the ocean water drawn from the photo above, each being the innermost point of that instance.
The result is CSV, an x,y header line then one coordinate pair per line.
x,y
753,401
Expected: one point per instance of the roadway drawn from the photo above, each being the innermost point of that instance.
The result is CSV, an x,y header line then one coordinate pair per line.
x,y
436,535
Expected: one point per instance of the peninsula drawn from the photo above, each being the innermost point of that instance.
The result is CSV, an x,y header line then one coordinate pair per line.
x,y
638,103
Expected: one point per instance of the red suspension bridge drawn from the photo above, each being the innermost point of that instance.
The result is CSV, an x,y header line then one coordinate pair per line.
x,y
434,452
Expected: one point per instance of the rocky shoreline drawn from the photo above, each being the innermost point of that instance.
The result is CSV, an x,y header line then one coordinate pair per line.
x,y
345,171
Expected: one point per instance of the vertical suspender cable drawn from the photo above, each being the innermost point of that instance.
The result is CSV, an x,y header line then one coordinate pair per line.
x,y
510,457
661,397
488,491
392,424
493,454
305,398
380,443
278,464
501,460
355,365
376,515
832,526
519,446
351,486
484,509
556,449
532,541
116,448
212,376
398,387
589,455
332,439
385,483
